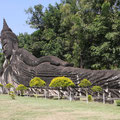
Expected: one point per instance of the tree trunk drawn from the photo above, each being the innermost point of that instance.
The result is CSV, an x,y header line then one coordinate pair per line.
x,y
70,97
86,95
71,94
46,93
1,90
58,94
98,94
103,97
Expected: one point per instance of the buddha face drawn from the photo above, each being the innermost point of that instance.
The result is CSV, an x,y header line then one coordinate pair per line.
x,y
7,48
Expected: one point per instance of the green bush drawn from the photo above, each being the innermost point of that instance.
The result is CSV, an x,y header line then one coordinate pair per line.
x,y
9,85
85,83
22,88
1,85
61,82
118,102
37,82
96,89
90,98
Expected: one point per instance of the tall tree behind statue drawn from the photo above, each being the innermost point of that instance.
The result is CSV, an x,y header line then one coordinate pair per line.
x,y
86,33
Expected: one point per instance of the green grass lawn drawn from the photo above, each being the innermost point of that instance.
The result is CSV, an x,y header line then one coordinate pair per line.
x,y
29,108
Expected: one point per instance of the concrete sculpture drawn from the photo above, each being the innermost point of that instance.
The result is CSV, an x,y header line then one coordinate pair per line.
x,y
20,66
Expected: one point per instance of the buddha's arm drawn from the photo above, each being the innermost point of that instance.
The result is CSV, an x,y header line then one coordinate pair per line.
x,y
31,60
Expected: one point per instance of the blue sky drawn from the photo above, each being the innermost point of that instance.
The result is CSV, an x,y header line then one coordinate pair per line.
x,y
14,13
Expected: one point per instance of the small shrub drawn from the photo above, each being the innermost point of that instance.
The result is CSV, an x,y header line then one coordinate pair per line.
x,y
37,82
12,94
90,98
118,102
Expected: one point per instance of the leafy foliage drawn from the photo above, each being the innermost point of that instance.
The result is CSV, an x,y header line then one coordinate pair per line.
x,y
12,94
96,89
37,82
1,58
9,85
90,98
1,85
22,88
85,83
118,102
85,33
89,32
61,82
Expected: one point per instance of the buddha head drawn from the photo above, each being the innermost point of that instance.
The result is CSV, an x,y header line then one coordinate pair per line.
x,y
9,40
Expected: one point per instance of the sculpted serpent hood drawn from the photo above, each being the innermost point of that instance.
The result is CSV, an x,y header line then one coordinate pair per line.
x,y
9,40
7,33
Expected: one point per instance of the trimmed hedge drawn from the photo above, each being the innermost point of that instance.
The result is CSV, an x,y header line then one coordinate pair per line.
x,y
9,85
21,87
96,89
37,82
85,83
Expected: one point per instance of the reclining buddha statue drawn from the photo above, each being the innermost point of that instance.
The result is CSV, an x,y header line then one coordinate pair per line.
x,y
20,66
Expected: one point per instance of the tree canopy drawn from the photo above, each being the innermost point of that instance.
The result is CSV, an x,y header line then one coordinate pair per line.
x,y
37,82
83,32
61,82
96,89
85,83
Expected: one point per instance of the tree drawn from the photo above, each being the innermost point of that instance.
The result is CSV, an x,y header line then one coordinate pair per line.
x,y
97,89
46,39
85,84
37,82
9,86
36,20
21,88
1,58
61,82
87,30
104,38
25,41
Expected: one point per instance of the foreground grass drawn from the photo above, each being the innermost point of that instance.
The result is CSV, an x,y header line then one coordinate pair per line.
x,y
26,108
